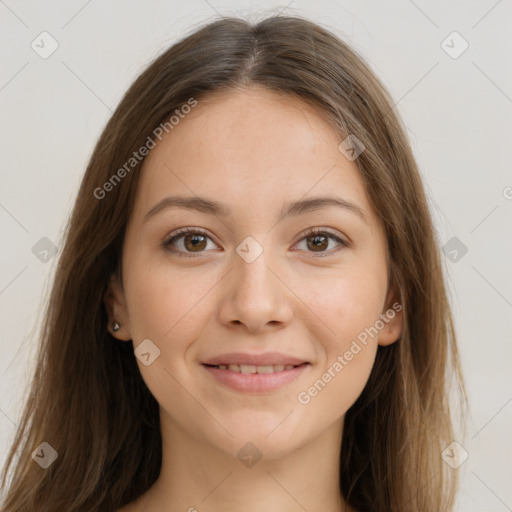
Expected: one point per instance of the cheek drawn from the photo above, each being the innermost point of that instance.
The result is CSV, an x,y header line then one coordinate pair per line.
x,y
166,305
335,388
169,308
349,305
347,302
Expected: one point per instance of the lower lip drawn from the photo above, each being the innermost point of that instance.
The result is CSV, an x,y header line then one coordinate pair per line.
x,y
256,382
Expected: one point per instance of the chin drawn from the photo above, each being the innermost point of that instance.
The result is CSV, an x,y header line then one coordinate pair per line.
x,y
265,434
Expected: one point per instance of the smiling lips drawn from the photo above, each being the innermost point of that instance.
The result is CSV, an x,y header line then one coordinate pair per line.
x,y
255,373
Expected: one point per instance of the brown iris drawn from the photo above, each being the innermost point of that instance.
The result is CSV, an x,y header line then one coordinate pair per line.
x,y
194,241
319,242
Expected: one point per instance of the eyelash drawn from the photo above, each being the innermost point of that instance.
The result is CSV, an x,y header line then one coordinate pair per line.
x,y
197,231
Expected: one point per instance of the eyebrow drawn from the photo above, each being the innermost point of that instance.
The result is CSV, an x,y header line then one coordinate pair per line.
x,y
211,207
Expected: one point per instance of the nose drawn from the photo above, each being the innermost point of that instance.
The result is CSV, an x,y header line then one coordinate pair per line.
x,y
255,296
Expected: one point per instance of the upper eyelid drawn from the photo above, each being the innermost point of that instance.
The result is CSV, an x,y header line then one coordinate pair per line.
x,y
184,231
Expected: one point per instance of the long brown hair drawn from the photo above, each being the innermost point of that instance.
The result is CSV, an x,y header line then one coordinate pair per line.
x,y
87,398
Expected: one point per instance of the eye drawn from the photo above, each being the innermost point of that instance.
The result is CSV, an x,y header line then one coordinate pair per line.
x,y
317,240
192,242
189,240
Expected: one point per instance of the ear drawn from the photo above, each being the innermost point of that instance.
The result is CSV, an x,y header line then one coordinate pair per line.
x,y
115,305
392,317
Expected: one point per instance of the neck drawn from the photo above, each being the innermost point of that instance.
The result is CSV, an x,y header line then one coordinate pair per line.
x,y
197,476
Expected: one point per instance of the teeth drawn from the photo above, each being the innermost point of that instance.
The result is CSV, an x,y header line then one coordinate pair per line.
x,y
267,369
246,368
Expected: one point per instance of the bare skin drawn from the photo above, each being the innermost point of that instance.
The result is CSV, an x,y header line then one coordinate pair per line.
x,y
254,151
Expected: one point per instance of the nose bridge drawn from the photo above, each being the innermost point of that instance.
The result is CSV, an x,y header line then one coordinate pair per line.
x,y
253,279
255,295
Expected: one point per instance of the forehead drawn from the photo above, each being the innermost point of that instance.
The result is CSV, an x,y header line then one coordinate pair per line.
x,y
252,149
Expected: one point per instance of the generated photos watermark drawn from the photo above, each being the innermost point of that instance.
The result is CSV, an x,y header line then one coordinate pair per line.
x,y
304,397
143,151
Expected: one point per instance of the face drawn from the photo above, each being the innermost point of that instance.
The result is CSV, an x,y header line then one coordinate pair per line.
x,y
289,301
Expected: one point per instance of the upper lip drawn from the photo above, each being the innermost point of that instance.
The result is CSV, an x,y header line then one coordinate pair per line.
x,y
268,358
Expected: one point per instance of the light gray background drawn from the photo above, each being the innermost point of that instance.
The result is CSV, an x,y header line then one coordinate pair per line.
x,y
457,111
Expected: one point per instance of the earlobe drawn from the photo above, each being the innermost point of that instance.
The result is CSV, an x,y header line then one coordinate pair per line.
x,y
392,317
118,322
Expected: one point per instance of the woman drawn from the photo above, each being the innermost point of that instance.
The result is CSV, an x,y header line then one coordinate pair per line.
x,y
249,310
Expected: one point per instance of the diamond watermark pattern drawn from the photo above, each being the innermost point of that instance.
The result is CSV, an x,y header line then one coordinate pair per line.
x,y
44,45
146,352
454,455
44,250
351,147
249,455
249,250
454,45
44,455
454,249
